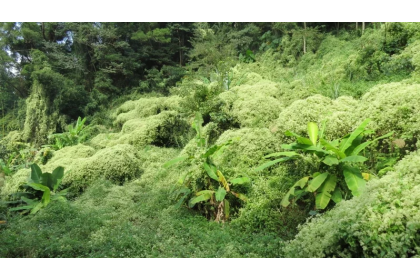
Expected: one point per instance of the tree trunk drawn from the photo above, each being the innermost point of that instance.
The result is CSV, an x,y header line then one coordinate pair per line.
x,y
363,27
357,26
304,38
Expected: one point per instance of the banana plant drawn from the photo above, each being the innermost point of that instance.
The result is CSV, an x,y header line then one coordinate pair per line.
x,y
73,136
335,163
216,190
41,189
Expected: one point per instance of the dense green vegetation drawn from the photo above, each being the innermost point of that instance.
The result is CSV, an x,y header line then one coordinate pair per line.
x,y
209,139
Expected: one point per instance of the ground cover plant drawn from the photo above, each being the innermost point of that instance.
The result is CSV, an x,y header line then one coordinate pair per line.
x,y
209,140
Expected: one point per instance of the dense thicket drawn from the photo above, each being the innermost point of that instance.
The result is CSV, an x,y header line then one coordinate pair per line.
x,y
176,126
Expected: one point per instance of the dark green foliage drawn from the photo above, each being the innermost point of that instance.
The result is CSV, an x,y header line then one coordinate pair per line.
x,y
40,189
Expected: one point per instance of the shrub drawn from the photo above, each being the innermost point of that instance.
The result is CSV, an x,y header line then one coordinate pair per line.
x,y
382,222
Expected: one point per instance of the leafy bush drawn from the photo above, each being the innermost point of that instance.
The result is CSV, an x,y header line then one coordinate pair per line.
x,y
334,177
382,222
40,190
212,191
75,135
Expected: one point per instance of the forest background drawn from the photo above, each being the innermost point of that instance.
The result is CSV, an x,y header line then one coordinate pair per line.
x,y
92,69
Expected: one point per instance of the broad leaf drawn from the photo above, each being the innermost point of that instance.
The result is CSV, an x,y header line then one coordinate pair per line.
x,y
38,187
360,148
46,198
354,159
323,196
240,196
210,171
330,160
313,132
270,163
348,141
222,180
200,198
287,154
173,161
36,173
46,180
220,194
354,179
337,196
301,183
316,182
57,176
37,208
240,181
204,192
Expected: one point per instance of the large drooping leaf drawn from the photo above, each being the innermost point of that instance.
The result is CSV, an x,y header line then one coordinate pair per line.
x,y
36,173
220,194
173,161
313,132
317,182
210,171
330,160
270,163
362,146
353,159
346,143
301,183
222,180
354,179
323,196
204,197
240,196
38,187
57,176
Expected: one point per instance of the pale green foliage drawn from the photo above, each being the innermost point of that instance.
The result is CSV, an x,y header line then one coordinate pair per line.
x,y
13,183
145,107
39,122
116,164
13,140
339,115
251,146
393,106
164,129
382,222
253,105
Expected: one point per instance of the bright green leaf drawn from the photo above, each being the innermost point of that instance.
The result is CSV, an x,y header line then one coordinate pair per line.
x,y
315,183
348,141
354,179
330,160
354,159
220,194
210,171
313,132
